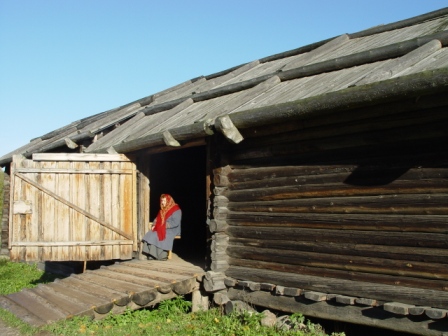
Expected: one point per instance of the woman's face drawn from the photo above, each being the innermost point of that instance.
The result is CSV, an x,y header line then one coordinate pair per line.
x,y
163,202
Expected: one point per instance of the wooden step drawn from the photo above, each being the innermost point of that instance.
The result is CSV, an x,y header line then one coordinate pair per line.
x,y
103,293
41,308
21,312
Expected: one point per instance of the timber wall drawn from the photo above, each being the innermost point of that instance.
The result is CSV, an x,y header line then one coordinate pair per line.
x,y
349,207
5,216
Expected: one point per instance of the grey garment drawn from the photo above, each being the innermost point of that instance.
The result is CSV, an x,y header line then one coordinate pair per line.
x,y
172,230
155,252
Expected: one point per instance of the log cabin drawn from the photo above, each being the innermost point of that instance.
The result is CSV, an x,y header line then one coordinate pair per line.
x,y
314,180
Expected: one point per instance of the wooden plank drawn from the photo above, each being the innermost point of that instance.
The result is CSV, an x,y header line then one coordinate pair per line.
x,y
21,312
69,305
169,267
130,278
435,314
40,307
76,243
74,170
80,198
103,293
148,272
99,305
114,284
78,157
71,205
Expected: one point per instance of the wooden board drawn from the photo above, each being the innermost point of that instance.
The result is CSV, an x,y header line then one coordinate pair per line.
x,y
73,207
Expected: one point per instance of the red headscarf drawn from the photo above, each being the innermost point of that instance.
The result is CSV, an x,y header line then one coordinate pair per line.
x,y
164,213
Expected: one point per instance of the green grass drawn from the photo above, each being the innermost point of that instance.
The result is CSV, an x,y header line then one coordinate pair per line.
x,y
171,317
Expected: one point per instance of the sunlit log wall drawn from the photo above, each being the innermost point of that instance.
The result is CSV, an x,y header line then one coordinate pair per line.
x,y
363,200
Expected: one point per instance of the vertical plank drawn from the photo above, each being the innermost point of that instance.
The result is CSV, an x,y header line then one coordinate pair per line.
x,y
31,230
94,209
107,250
78,221
15,226
127,192
48,211
115,201
63,216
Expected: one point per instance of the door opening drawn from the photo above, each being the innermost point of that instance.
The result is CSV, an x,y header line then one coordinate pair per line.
x,y
182,174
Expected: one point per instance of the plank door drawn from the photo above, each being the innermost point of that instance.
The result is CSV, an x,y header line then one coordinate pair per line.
x,y
72,207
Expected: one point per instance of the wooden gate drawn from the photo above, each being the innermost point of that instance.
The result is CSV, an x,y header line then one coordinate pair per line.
x,y
72,207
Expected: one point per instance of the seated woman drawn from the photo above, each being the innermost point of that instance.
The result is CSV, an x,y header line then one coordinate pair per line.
x,y
159,240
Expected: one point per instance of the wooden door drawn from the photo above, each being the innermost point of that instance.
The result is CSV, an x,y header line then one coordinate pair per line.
x,y
72,207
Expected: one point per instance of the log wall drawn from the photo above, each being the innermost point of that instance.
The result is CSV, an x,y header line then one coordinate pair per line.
x,y
364,201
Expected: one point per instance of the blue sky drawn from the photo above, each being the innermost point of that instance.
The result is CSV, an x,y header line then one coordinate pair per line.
x,y
63,60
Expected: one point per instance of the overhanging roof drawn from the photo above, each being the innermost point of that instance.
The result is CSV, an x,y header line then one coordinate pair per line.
x,y
383,64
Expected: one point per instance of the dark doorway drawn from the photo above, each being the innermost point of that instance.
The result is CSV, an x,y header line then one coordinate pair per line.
x,y
182,174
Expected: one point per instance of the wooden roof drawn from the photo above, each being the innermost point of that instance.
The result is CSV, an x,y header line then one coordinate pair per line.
x,y
384,63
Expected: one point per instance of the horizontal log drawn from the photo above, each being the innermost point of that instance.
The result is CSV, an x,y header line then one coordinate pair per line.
x,y
421,204
382,123
432,240
407,295
426,255
361,222
360,315
361,176
380,279
406,268
384,111
431,186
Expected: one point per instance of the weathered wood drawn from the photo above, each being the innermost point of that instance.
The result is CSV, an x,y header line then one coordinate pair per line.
x,y
143,298
225,126
101,292
342,274
220,298
237,306
337,190
430,240
360,315
82,209
184,286
421,254
169,139
320,105
435,314
404,267
214,281
397,308
366,302
79,157
422,204
315,296
417,310
100,305
253,286
21,312
407,295
199,301
347,300
361,222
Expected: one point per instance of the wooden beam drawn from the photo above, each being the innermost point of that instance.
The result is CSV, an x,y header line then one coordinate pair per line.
x,y
169,139
225,125
361,315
